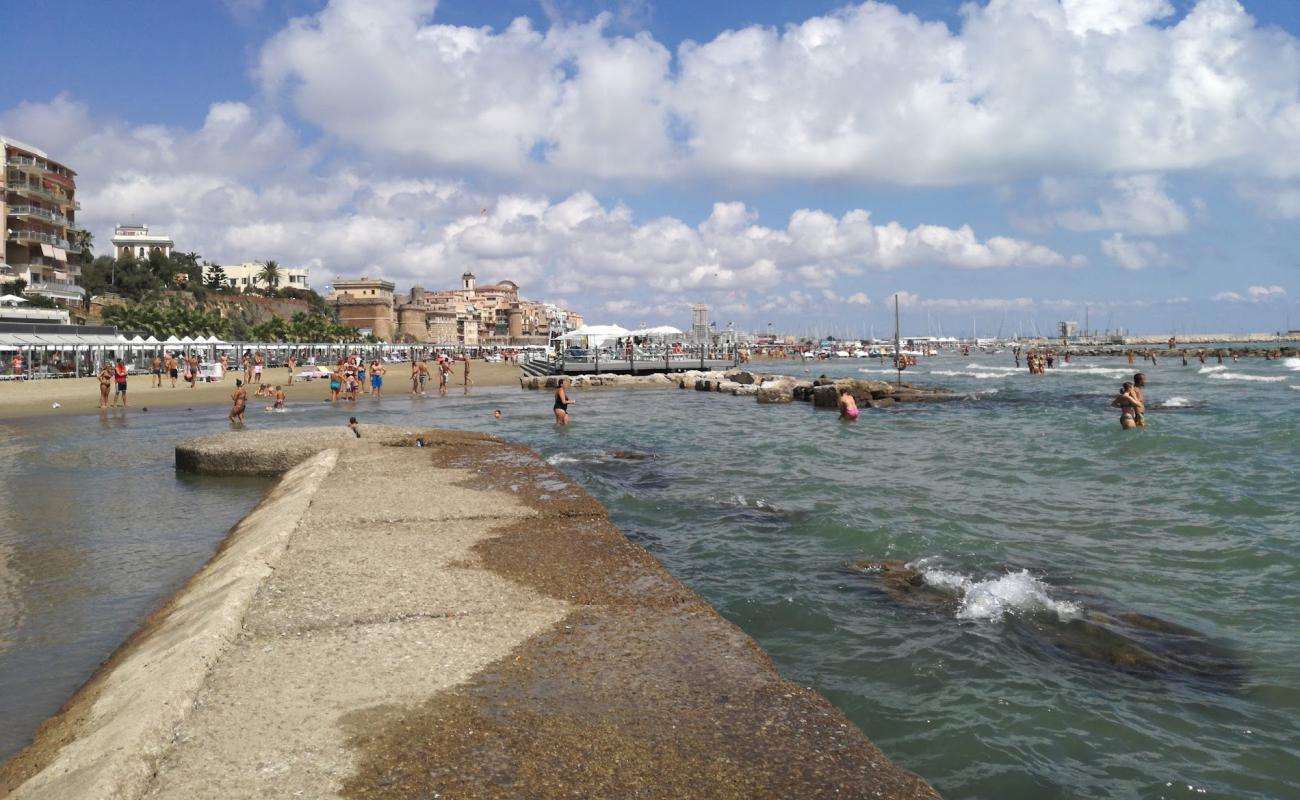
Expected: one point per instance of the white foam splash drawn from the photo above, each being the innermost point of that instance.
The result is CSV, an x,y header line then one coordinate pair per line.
x,y
1175,402
994,598
561,458
981,375
1292,364
1238,376
1208,370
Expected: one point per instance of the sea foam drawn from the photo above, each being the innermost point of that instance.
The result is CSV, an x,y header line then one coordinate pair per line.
x,y
1238,376
992,599
1292,364
1208,370
1175,402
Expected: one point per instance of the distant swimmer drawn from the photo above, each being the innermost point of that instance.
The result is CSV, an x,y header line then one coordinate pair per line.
x,y
848,406
1129,407
562,403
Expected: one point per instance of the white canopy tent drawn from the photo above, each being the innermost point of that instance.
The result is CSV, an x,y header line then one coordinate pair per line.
x,y
658,332
11,300
595,334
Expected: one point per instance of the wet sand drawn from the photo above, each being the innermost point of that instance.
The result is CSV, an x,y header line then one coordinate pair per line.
x,y
20,399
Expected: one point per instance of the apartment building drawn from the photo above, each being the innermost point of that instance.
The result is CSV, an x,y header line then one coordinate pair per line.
x,y
251,275
39,207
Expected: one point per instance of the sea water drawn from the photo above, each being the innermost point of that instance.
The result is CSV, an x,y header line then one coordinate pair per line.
x,y
1025,506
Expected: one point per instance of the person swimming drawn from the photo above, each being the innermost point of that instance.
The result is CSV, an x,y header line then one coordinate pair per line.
x,y
848,406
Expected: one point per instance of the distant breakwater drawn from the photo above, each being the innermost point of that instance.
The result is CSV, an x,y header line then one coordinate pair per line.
x,y
1190,353
822,392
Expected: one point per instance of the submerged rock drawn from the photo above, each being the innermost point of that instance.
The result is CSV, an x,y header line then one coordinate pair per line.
x,y
1092,631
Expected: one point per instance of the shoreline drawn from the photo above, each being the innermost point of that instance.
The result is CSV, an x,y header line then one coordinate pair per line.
x,y
80,396
522,644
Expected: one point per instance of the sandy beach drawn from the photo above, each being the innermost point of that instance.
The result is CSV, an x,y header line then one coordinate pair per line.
x,y
19,399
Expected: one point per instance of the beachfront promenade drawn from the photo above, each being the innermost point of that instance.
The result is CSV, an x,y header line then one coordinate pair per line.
x,y
421,613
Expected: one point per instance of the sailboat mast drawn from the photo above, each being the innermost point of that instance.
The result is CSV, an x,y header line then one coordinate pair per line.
x,y
898,343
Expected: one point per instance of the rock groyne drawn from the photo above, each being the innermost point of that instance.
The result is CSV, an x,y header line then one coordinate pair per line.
x,y
822,392
418,613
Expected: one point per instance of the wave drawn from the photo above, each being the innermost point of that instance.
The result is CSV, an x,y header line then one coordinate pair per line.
x,y
992,599
1292,364
1238,376
1208,370
982,375
1108,372
877,371
1175,402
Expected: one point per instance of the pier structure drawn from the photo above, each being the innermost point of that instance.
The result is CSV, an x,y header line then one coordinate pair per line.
x,y
422,613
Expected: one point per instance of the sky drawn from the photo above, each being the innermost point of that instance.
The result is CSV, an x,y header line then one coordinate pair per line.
x,y
999,165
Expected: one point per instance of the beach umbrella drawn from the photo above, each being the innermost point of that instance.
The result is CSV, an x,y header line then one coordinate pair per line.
x,y
12,299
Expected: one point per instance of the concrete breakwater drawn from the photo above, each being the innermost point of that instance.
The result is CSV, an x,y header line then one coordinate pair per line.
x,y
420,613
822,392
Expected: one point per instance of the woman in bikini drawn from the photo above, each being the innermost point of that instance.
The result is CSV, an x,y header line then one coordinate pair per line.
x,y
238,399
105,384
848,406
1129,406
562,403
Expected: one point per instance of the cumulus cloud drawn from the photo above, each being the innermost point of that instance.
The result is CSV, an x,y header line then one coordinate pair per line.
x,y
242,187
1138,204
866,94
1131,254
1253,294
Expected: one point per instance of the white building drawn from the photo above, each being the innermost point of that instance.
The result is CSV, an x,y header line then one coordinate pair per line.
x,y
249,275
135,241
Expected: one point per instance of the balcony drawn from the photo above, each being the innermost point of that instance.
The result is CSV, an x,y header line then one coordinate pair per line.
x,y
25,164
40,238
27,189
52,217
57,290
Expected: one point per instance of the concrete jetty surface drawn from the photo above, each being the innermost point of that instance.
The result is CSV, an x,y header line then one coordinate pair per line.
x,y
422,613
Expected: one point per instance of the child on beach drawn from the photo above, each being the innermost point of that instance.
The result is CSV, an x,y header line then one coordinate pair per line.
x,y
277,395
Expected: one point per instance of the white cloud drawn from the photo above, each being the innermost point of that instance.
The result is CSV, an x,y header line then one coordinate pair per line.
x,y
865,94
1253,294
1266,291
858,299
1136,204
1131,254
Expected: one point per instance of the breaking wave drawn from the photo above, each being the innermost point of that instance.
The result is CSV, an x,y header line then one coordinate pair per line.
x,y
1292,364
993,598
1238,376
1175,402
1208,370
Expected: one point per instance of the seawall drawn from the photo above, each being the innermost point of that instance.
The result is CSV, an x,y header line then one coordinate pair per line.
x,y
421,613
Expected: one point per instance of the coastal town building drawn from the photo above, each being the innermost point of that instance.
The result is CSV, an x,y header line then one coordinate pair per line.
x,y
39,208
365,304
135,241
252,275
471,315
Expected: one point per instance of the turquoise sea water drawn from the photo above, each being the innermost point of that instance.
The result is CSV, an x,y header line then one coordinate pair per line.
x,y
1026,502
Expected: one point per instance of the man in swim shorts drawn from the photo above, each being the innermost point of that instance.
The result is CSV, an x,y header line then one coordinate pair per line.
x,y
377,371
1139,413
157,372
172,370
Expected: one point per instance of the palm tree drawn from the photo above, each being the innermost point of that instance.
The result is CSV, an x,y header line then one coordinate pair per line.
x,y
270,274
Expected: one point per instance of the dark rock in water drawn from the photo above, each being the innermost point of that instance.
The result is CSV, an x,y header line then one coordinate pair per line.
x,y
629,455
741,377
826,396
822,380
1123,640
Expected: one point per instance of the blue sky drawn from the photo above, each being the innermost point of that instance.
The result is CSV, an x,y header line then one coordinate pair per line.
x,y
1004,163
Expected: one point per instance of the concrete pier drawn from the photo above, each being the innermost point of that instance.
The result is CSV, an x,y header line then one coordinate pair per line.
x,y
420,613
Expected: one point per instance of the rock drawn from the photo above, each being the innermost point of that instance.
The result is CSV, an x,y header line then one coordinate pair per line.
x,y
745,390
726,386
883,402
826,396
740,376
775,393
